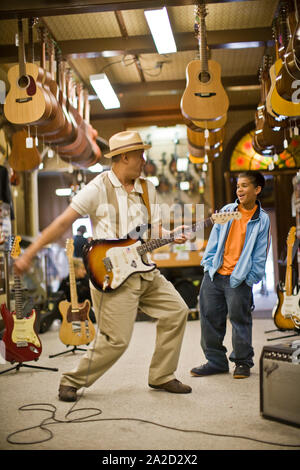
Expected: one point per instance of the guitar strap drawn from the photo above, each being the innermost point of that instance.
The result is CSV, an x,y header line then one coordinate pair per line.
x,y
145,197
112,199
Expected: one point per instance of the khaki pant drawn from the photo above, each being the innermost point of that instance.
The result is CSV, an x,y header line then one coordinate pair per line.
x,y
116,313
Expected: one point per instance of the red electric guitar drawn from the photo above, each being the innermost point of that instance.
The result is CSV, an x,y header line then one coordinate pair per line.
x,y
20,337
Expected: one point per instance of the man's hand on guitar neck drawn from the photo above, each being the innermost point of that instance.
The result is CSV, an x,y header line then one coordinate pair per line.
x,y
180,233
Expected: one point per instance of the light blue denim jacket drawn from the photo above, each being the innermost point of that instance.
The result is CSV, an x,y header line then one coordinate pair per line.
x,y
251,264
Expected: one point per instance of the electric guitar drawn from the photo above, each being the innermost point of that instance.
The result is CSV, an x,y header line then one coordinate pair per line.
x,y
204,98
76,328
286,307
20,337
109,263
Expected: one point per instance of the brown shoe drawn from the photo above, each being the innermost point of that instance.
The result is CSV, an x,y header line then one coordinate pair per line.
x,y
174,386
66,393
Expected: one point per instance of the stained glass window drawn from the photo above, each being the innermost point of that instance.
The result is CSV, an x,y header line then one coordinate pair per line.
x,y
244,156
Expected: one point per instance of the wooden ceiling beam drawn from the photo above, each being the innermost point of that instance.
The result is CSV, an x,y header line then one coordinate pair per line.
x,y
40,8
160,114
136,45
146,88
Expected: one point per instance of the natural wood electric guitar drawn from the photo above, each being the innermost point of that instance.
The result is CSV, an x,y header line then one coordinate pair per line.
x,y
286,314
109,263
20,337
76,328
204,98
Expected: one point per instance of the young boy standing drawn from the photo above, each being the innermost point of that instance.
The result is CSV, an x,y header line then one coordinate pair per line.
x,y
233,261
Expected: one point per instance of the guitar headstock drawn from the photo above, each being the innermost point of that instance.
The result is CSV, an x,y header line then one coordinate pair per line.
x,y
223,217
201,9
291,237
70,248
15,248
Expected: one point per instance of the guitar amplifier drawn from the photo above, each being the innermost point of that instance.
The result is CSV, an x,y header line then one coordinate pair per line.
x,y
280,382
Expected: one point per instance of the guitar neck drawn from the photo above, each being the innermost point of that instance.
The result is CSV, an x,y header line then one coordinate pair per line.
x,y
18,297
203,46
288,274
151,245
21,50
73,290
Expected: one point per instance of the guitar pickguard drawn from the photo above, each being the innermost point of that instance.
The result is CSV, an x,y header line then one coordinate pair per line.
x,y
290,306
23,331
126,261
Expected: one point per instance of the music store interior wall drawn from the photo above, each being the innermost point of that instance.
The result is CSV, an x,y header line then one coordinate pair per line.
x,y
212,89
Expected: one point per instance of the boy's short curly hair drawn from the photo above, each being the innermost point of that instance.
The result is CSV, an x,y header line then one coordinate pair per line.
x,y
255,177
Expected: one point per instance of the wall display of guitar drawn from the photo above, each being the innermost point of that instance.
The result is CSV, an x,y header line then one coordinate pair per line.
x,y
21,157
21,340
292,57
27,102
286,314
280,93
204,98
110,262
164,184
268,135
76,328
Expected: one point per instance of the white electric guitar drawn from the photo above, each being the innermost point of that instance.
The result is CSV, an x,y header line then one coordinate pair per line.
x,y
109,263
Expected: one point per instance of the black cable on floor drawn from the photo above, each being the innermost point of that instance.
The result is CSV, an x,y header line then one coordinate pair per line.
x,y
96,411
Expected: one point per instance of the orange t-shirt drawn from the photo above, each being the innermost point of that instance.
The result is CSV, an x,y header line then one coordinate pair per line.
x,y
235,241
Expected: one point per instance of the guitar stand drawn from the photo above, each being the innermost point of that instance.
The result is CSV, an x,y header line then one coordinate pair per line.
x,y
70,350
281,337
20,364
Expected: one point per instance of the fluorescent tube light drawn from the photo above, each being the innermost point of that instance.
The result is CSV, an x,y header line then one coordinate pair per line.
x,y
159,24
105,91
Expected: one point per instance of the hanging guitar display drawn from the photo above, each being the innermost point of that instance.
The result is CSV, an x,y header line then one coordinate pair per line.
x,y
268,135
281,89
286,314
204,98
110,262
23,157
27,102
20,337
76,328
292,56
150,169
164,184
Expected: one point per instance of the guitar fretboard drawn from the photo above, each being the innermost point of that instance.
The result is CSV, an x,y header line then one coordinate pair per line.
x,y
18,297
151,245
73,290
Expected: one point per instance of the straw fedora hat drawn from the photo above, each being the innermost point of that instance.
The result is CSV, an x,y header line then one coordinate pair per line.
x,y
125,141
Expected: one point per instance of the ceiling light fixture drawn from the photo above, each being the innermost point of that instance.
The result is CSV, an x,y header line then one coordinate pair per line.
x,y
159,24
105,91
63,192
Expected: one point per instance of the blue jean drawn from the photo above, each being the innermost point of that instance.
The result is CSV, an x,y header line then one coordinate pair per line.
x,y
217,299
